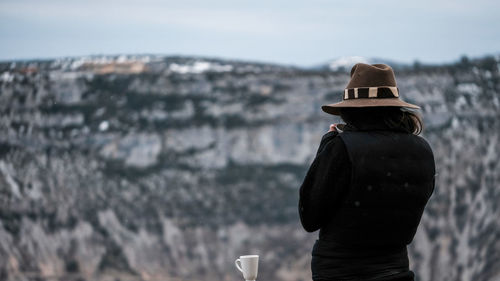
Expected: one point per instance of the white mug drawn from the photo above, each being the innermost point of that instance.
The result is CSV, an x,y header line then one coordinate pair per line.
x,y
249,266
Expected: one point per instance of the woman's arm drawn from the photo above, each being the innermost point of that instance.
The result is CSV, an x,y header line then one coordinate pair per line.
x,y
325,139
325,182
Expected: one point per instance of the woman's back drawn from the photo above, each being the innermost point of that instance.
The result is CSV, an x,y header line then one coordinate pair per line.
x,y
381,187
391,182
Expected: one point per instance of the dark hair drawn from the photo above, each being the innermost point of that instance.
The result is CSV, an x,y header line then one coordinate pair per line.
x,y
397,118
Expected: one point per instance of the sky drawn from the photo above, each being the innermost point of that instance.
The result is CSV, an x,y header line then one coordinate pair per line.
x,y
303,33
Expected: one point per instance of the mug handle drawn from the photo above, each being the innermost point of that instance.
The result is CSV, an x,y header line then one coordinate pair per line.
x,y
238,266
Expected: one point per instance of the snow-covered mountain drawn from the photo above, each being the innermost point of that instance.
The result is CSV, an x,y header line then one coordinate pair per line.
x,y
345,63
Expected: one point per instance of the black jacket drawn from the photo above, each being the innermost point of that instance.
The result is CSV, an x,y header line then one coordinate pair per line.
x,y
365,191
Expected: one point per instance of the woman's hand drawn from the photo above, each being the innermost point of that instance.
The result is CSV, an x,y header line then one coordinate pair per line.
x,y
336,127
333,127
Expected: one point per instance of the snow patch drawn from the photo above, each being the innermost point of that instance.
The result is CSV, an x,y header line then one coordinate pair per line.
x,y
346,62
104,126
200,67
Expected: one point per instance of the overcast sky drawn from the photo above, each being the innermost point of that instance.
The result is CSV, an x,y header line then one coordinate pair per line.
x,y
291,32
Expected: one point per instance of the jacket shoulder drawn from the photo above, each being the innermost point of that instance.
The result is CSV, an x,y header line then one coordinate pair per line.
x,y
390,140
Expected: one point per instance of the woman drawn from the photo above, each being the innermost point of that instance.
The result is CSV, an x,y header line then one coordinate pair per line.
x,y
369,182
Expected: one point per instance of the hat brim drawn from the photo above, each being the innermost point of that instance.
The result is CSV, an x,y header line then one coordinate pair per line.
x,y
334,108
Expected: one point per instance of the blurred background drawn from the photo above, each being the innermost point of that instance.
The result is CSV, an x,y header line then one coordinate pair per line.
x,y
160,140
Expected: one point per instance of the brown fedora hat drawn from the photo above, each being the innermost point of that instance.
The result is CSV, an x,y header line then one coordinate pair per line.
x,y
370,85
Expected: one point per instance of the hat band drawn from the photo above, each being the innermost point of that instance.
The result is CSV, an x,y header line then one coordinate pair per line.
x,y
371,92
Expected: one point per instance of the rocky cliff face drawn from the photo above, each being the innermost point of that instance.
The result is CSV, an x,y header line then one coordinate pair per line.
x,y
168,168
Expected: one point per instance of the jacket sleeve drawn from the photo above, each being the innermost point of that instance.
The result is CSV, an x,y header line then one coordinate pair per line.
x,y
324,183
325,140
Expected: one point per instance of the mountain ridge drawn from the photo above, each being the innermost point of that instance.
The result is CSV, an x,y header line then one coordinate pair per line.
x,y
150,170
